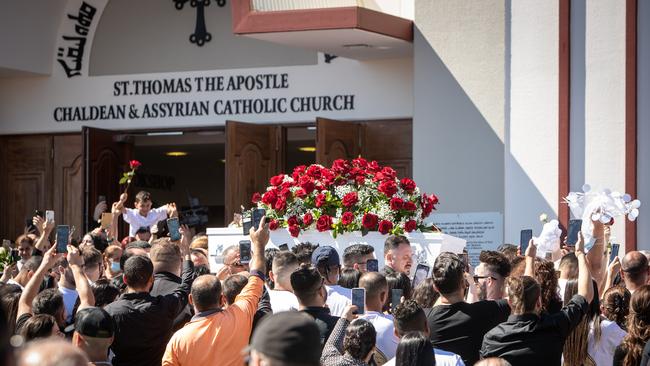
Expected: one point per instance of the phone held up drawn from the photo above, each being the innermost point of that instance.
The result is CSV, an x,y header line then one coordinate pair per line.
x,y
524,239
395,298
62,238
284,247
245,254
174,229
359,299
252,220
372,265
49,216
613,252
421,273
572,232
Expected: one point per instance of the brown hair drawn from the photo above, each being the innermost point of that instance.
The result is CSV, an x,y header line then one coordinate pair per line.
x,y
142,196
545,276
38,326
575,346
638,326
200,241
166,256
424,294
616,302
523,293
24,238
111,250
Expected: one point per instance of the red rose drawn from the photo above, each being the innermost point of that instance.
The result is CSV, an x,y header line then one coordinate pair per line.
x,y
307,219
314,171
340,166
389,173
410,226
306,183
360,179
320,199
388,187
294,230
350,199
134,164
407,184
369,221
396,203
269,198
300,193
280,204
292,221
327,177
433,199
273,225
347,218
410,206
324,223
277,180
298,171
360,162
385,226
256,197
373,166
285,193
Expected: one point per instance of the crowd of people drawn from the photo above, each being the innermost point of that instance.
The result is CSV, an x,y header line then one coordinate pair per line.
x,y
149,300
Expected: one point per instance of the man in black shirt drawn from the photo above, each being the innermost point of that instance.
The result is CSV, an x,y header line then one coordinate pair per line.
x,y
308,286
457,326
144,322
528,338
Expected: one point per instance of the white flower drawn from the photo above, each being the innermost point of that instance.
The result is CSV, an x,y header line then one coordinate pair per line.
x,y
543,218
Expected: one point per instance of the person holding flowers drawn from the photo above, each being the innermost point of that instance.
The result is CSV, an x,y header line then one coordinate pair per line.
x,y
142,216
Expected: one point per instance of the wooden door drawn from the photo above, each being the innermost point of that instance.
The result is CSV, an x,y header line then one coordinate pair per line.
x,y
68,180
336,140
390,143
253,156
26,181
106,157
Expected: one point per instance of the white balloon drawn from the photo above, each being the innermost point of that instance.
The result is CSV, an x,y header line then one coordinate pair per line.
x,y
595,216
627,198
586,188
607,191
635,204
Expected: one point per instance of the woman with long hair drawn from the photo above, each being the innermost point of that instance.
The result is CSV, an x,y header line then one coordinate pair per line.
x,y
415,349
425,295
397,280
545,276
629,353
608,328
575,347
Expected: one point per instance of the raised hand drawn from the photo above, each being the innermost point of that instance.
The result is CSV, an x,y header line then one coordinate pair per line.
x,y
531,251
74,257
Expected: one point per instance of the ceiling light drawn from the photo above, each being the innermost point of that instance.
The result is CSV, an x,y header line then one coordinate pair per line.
x,y
307,149
168,133
176,153
223,161
311,128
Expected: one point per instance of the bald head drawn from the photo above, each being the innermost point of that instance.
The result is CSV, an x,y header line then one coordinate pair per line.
x,y
52,352
635,269
376,289
206,292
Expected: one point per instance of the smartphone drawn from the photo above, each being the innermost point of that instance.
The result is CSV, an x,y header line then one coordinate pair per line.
x,y
613,252
39,213
421,273
62,238
395,298
572,232
173,225
524,240
372,265
245,251
107,218
15,256
284,247
359,299
257,215
247,223
49,215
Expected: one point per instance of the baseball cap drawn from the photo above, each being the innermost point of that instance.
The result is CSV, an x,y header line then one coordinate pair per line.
x,y
94,322
288,337
326,254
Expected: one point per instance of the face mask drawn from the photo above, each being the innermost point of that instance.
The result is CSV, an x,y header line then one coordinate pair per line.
x,y
115,267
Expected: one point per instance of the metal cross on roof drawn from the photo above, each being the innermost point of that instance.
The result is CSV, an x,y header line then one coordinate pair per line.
x,y
200,35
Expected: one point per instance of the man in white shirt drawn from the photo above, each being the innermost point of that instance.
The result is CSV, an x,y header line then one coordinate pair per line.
x,y
376,295
408,317
282,297
67,288
143,215
326,259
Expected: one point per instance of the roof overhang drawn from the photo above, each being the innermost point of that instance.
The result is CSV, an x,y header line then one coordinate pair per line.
x,y
353,32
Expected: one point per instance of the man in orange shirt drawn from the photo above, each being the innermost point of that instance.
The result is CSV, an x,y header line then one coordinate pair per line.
x,y
217,336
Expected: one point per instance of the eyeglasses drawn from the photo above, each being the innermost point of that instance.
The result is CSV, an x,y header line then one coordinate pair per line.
x,y
476,278
235,264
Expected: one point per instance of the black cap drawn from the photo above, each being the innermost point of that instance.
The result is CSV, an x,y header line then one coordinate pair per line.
x,y
94,322
325,255
288,337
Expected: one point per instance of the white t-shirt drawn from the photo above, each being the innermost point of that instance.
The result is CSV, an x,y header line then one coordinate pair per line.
x,y
338,298
12,282
283,301
561,285
610,337
443,358
69,299
386,339
136,221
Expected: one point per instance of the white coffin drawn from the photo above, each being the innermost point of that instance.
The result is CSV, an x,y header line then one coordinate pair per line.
x,y
426,246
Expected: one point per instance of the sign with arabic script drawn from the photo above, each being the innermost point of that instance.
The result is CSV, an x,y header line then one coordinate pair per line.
x,y
77,30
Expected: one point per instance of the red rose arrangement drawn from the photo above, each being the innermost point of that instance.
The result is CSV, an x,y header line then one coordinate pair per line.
x,y
355,195
127,177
